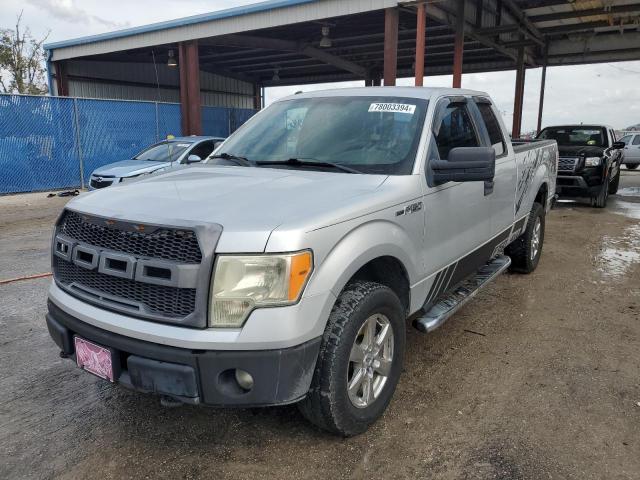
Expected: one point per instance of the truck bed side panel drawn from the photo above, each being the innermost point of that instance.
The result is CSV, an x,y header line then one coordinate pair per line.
x,y
537,163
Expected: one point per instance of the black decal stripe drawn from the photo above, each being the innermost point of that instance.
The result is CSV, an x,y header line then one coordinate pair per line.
x,y
449,277
436,291
473,261
433,286
517,227
447,282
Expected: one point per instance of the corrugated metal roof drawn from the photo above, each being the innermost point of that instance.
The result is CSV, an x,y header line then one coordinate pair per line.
x,y
180,22
263,15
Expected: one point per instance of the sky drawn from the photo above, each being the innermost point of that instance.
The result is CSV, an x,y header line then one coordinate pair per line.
x,y
603,93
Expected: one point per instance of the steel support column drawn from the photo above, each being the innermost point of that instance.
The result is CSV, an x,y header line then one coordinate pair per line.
x,y
458,46
62,81
257,96
519,95
421,31
190,88
390,46
542,86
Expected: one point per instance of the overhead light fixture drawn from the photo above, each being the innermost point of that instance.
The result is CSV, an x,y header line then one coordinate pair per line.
x,y
325,41
276,75
172,60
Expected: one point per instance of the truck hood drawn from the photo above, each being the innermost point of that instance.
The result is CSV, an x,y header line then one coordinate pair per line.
x,y
128,168
573,151
249,203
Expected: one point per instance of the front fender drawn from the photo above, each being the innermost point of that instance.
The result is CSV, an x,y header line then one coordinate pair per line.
x,y
357,247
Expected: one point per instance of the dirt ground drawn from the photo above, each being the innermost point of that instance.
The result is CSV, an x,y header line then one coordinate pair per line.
x,y
537,378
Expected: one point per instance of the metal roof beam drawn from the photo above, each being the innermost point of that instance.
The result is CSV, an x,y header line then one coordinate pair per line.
x,y
440,13
576,27
591,12
345,53
248,41
522,18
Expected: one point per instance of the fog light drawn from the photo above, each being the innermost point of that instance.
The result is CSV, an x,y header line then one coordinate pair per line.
x,y
244,379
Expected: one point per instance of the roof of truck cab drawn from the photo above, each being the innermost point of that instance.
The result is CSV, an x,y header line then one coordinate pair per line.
x,y
407,92
194,138
581,125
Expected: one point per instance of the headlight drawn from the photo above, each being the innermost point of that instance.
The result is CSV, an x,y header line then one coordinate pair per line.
x,y
592,161
242,283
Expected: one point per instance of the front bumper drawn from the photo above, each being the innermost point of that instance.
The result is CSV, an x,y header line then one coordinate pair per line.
x,y
578,186
281,376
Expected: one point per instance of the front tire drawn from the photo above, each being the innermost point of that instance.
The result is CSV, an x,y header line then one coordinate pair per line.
x,y
360,360
525,251
615,183
600,200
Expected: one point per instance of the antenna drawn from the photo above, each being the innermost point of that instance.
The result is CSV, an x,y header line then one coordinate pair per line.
x,y
155,68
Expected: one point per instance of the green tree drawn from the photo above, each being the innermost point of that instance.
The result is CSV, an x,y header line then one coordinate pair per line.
x,y
22,61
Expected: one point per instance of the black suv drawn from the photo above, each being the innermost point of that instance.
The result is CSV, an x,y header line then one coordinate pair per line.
x,y
589,164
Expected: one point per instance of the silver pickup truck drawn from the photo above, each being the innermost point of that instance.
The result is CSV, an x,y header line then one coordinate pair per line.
x,y
287,268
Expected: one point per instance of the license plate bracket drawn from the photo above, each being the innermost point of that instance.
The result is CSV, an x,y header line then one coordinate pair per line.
x,y
94,358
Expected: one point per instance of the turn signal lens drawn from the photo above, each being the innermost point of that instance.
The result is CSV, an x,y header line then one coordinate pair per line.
x,y
300,269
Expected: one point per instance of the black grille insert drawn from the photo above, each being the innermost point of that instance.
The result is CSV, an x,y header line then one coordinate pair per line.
x,y
158,299
179,245
100,184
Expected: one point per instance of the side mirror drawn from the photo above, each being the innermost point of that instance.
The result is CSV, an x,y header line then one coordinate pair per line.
x,y
193,159
618,145
465,164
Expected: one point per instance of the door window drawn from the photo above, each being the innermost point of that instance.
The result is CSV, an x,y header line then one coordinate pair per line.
x,y
493,128
455,130
636,140
203,149
626,139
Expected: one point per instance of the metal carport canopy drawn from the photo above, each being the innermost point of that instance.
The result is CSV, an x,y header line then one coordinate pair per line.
x,y
572,32
277,42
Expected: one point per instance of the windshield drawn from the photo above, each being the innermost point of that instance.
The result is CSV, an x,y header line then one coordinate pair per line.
x,y
576,136
368,134
163,152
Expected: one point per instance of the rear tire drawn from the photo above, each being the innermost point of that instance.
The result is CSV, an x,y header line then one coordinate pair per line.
x,y
613,186
600,200
354,340
632,166
525,251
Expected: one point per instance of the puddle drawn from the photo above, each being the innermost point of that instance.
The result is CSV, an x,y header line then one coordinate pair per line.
x,y
629,192
619,254
629,209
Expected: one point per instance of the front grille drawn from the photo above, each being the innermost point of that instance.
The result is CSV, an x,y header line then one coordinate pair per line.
x,y
156,299
567,164
100,184
166,243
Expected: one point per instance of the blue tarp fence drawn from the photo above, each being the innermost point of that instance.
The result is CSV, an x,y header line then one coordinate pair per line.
x,y
51,143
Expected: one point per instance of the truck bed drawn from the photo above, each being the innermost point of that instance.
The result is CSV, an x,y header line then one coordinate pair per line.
x,y
522,144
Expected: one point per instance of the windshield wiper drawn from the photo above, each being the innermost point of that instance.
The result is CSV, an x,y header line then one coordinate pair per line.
x,y
242,161
296,162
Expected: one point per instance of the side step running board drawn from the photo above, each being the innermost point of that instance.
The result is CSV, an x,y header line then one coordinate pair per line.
x,y
449,303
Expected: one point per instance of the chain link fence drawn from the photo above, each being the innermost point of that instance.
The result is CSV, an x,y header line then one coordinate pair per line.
x,y
51,143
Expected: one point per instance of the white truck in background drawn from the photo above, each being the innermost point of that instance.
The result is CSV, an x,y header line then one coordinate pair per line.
x,y
286,267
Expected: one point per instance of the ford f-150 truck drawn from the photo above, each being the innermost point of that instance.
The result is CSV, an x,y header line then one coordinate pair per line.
x,y
286,268
589,164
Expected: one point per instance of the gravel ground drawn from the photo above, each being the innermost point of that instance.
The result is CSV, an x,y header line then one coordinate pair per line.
x,y
537,378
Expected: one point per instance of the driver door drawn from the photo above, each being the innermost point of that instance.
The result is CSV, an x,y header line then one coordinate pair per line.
x,y
457,214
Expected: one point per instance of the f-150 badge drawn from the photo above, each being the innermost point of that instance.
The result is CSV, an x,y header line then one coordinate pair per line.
x,y
414,207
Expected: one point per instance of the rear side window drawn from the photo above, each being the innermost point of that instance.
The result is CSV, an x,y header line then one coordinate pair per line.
x,y
493,127
636,141
455,130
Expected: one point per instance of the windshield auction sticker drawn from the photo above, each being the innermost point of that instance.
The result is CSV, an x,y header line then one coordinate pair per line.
x,y
392,108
